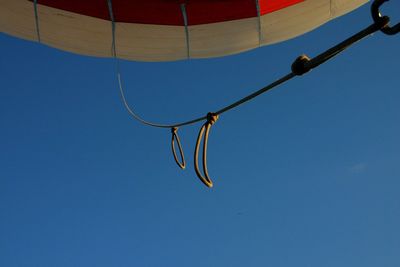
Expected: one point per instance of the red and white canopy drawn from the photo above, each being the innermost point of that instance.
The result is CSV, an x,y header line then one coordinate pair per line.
x,y
163,30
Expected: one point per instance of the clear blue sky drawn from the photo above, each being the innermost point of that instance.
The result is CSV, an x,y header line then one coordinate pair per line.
x,y
306,175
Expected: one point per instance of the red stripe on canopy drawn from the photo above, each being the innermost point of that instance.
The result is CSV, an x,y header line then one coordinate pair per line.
x,y
168,12
269,6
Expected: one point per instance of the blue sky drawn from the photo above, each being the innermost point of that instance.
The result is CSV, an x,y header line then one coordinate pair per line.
x,y
305,175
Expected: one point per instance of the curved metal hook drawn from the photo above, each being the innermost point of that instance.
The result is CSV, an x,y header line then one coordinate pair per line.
x,y
383,20
203,134
175,138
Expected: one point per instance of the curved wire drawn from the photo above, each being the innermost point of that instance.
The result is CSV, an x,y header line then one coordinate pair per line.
x,y
145,122
200,118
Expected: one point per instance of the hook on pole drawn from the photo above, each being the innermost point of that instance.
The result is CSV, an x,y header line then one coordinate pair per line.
x,y
383,21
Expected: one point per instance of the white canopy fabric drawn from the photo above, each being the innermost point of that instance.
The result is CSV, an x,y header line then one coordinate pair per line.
x,y
89,35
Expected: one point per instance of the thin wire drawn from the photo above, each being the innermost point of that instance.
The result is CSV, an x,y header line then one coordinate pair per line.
x,y
257,93
143,121
202,118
